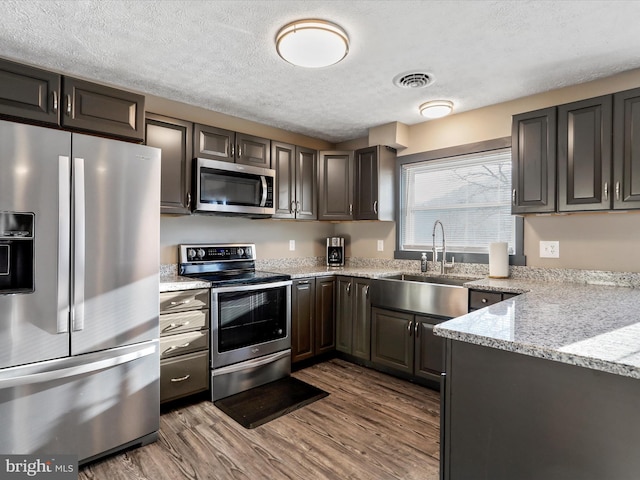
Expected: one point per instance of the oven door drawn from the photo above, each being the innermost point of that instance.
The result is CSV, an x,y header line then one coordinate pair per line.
x,y
249,321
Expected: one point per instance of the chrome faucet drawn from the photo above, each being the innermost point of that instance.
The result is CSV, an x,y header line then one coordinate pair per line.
x,y
434,249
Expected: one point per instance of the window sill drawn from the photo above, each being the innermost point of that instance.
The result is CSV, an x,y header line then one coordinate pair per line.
x,y
519,260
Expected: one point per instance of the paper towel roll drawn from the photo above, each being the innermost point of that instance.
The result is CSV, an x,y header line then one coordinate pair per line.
x,y
498,260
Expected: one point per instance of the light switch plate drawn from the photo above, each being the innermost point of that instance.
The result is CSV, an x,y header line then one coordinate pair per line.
x,y
380,245
292,245
549,249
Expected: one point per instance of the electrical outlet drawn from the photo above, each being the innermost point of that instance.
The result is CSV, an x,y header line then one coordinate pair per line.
x,y
549,249
380,245
292,245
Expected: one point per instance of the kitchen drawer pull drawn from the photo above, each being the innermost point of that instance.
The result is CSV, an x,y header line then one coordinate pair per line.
x,y
183,302
172,326
175,347
181,379
54,107
617,190
303,282
69,106
484,300
606,190
410,327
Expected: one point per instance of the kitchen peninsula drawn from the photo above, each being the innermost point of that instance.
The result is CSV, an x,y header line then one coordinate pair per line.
x,y
543,385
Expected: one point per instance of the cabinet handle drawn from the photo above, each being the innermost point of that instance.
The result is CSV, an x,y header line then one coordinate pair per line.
x,y
297,207
617,190
303,282
188,199
514,196
417,329
606,190
293,206
69,106
54,107
232,150
239,151
375,207
348,288
410,327
484,300
175,347
181,379
351,209
172,326
366,290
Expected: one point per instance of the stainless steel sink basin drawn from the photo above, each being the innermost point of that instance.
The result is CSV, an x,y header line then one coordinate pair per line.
x,y
425,279
429,295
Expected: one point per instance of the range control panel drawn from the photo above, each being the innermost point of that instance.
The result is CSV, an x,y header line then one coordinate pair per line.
x,y
217,252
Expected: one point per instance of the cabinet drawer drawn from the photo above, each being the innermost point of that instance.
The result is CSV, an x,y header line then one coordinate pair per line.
x,y
184,375
184,300
172,323
479,299
182,343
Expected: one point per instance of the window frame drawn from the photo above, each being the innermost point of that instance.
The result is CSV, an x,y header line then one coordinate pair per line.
x,y
471,148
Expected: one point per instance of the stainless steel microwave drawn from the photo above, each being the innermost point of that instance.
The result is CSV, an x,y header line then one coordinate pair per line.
x,y
233,189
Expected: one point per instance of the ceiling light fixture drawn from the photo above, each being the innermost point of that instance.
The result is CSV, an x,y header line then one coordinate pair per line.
x,y
312,43
436,108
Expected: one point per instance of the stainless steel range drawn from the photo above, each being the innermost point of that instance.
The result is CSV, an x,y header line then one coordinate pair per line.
x,y
250,316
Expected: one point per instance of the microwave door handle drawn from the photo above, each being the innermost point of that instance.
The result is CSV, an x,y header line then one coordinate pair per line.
x,y
263,179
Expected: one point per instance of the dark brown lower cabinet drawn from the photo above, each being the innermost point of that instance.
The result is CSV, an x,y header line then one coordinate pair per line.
x,y
353,317
312,317
404,342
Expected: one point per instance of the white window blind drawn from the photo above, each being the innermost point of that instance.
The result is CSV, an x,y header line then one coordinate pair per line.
x,y
469,194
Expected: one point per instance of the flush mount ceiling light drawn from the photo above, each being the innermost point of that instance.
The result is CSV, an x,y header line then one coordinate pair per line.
x,y
436,108
312,43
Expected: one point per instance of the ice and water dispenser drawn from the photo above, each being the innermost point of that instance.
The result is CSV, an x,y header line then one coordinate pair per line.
x,y
16,252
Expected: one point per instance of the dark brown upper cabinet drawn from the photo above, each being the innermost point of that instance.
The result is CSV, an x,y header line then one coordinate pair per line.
x,y
584,155
533,146
335,183
174,137
220,144
39,96
96,108
29,93
626,150
374,197
296,175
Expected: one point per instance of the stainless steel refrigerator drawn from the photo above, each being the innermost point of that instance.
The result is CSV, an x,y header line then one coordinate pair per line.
x,y
79,297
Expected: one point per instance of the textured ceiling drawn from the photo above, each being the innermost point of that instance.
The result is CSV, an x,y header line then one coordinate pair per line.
x,y
221,55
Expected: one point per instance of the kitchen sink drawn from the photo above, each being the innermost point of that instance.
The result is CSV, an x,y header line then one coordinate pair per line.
x,y
428,295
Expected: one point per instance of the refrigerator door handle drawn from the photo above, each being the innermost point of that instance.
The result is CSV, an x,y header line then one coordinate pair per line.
x,y
53,374
77,322
64,194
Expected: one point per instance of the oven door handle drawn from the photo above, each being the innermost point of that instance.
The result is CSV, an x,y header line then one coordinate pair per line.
x,y
253,286
250,364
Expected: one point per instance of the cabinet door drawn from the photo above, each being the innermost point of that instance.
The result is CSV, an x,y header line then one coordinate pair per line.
x,y
533,146
213,143
284,163
584,155
366,184
626,150
325,315
174,137
392,339
302,319
344,314
96,108
361,336
429,350
306,181
336,185
29,93
252,150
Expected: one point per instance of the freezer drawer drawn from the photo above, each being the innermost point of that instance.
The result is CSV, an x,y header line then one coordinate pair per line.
x,y
184,300
184,375
84,405
174,345
171,323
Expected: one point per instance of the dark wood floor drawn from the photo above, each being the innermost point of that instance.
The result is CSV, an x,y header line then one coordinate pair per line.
x,y
371,426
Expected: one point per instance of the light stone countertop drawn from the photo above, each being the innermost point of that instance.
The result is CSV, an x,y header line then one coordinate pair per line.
x,y
590,326
170,282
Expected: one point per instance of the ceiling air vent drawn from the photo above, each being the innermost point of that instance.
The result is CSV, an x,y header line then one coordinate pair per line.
x,y
413,80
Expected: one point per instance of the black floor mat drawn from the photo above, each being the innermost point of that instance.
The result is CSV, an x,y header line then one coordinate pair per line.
x,y
260,405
